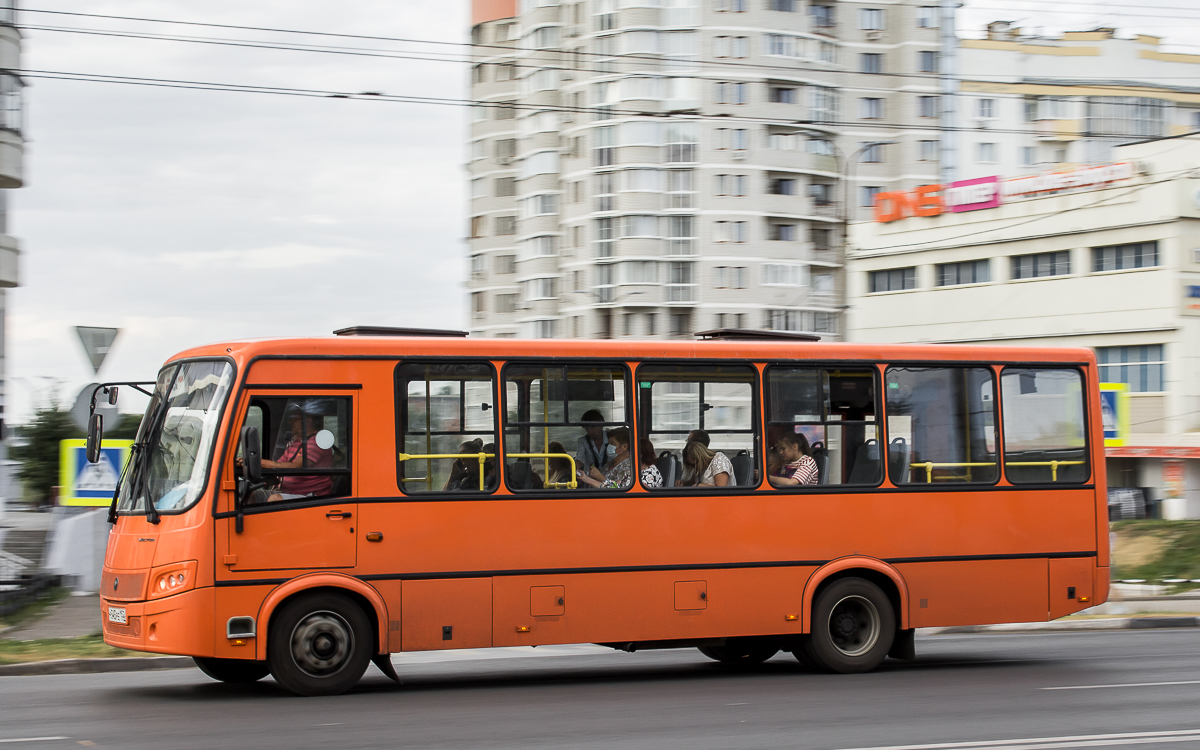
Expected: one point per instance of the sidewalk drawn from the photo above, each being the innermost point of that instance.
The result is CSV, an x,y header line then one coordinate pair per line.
x,y
73,617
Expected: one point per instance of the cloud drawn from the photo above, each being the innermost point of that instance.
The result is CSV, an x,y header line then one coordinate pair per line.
x,y
280,256
187,217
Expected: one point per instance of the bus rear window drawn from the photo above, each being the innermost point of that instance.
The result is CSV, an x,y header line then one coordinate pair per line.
x,y
941,425
1045,437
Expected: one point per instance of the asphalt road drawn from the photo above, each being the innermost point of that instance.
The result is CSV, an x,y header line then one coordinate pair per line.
x,y
985,690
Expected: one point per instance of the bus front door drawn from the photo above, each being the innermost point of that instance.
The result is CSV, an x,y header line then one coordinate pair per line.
x,y
302,516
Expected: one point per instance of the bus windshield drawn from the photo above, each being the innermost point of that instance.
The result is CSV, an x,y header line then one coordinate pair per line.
x,y
175,440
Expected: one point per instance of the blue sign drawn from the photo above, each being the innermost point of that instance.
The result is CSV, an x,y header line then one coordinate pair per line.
x,y
84,483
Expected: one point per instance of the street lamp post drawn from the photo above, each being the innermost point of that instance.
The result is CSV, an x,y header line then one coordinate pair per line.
x,y
845,171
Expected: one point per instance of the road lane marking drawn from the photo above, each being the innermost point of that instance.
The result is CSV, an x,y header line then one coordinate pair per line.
x,y
1043,743
1122,685
34,739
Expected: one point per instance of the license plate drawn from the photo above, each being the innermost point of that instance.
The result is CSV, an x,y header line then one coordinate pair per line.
x,y
117,614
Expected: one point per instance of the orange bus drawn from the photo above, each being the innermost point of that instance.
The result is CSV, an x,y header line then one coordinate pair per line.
x,y
302,507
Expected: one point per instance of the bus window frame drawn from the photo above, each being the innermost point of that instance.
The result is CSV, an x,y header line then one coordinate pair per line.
x,y
630,422
990,366
308,390
756,419
1087,426
400,411
877,368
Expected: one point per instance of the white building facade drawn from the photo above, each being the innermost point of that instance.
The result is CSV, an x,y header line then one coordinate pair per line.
x,y
1106,258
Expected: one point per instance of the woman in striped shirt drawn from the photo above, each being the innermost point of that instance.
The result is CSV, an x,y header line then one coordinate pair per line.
x,y
801,468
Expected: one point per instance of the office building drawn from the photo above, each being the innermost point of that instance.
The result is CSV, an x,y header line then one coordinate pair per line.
x,y
11,176
1105,257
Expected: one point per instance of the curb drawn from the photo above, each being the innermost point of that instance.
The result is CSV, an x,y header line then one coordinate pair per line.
x,y
1116,623
90,666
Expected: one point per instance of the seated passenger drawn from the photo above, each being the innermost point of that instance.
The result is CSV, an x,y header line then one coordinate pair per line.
x,y
698,436
619,474
298,453
464,473
560,468
801,468
591,450
705,468
652,478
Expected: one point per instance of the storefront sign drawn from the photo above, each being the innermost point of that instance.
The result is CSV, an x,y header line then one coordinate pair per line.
x,y
972,195
1173,477
1191,299
990,192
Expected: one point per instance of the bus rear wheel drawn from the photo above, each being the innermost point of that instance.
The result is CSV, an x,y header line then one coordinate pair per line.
x,y
319,644
741,651
234,671
852,627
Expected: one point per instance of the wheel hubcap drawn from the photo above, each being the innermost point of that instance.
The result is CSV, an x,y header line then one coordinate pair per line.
x,y
322,643
854,625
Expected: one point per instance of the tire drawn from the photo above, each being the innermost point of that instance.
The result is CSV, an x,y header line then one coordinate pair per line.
x,y
741,652
853,627
802,650
319,644
233,671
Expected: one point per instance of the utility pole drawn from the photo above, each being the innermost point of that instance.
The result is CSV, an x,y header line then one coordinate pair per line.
x,y
948,102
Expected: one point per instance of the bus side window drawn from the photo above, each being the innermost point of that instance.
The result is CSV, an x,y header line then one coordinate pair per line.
x,y
559,417
713,406
1045,435
834,410
448,411
305,447
941,425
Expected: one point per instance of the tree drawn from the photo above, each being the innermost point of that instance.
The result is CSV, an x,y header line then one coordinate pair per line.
x,y
39,451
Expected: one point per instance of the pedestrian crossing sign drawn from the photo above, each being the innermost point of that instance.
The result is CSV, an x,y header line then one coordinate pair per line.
x,y
84,483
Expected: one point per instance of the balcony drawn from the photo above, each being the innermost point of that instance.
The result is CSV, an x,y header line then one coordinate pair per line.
x,y
1058,130
680,293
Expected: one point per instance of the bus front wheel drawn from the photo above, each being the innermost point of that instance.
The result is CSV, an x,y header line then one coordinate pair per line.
x,y
319,644
234,671
741,651
852,627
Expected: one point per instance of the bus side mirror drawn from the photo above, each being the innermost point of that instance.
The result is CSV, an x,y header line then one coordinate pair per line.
x,y
95,437
112,395
251,454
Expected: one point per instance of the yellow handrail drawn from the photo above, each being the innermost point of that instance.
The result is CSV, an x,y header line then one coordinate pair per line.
x,y
573,484
929,466
481,456
1052,464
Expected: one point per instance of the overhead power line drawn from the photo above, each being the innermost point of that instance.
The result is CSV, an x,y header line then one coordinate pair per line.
x,y
517,63
608,112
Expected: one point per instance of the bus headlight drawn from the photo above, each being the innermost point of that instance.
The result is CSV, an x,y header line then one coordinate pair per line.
x,y
175,578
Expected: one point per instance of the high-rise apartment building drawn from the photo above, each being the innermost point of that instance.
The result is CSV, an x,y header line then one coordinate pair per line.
x,y
651,168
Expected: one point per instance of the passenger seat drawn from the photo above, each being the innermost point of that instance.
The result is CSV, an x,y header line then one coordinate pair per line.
x,y
821,456
866,464
666,466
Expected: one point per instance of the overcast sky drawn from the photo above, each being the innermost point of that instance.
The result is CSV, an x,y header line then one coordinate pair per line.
x,y
185,217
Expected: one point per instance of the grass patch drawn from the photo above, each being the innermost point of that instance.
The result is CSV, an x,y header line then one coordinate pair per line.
x,y
87,647
1153,549
34,610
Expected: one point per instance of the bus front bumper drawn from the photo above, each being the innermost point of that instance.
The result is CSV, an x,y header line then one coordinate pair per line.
x,y
179,624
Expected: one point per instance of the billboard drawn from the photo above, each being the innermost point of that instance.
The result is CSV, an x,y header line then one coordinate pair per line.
x,y
1114,410
83,483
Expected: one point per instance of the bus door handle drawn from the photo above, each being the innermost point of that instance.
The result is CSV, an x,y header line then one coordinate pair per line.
x,y
339,515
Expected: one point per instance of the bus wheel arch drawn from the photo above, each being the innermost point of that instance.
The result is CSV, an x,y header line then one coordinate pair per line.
x,y
876,571
364,595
